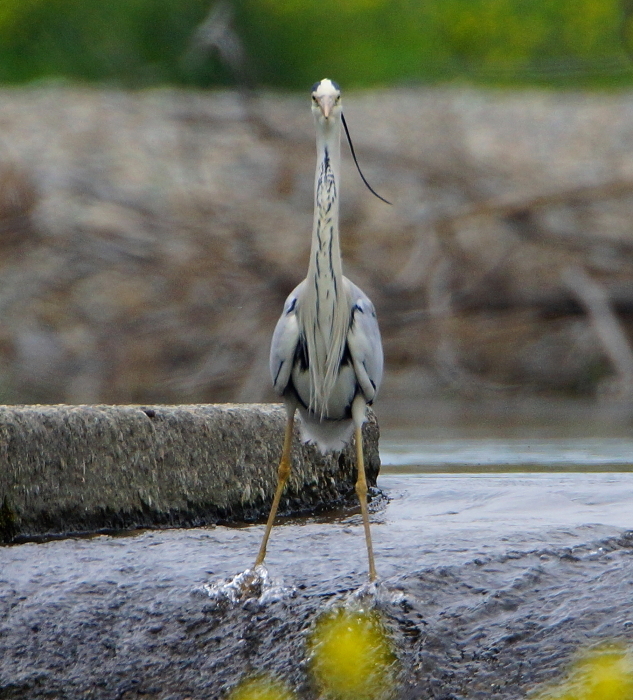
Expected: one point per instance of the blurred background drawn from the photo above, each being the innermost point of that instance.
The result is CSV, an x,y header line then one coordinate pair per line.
x,y
156,174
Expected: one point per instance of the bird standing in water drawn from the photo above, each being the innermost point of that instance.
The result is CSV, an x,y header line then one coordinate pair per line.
x,y
326,355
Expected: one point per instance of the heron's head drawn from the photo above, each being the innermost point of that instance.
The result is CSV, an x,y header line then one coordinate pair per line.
x,y
326,100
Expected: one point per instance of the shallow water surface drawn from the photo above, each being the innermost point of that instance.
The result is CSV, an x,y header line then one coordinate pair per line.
x,y
510,454
489,584
497,436
495,568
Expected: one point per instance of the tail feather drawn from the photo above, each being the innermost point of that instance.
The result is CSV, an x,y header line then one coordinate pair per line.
x,y
328,436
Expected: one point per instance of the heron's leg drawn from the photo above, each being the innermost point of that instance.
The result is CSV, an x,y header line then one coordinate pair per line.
x,y
282,476
361,492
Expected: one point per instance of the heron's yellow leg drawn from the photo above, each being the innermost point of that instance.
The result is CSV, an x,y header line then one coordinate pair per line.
x,y
282,476
361,491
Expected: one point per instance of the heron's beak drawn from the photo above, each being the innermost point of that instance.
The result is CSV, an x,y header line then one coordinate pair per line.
x,y
326,103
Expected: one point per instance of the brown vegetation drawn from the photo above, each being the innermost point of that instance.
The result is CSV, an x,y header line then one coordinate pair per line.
x,y
147,240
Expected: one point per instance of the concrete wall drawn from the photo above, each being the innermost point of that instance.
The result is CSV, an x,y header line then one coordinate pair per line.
x,y
67,469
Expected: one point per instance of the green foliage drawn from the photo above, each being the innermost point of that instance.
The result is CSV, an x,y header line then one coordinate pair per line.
x,y
292,43
135,42
368,42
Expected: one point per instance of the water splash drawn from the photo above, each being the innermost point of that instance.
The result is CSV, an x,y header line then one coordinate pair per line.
x,y
251,588
379,595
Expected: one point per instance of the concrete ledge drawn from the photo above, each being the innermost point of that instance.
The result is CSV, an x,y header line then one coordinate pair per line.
x,y
69,469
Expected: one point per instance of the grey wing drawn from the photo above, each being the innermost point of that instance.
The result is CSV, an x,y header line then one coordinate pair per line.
x,y
365,345
284,342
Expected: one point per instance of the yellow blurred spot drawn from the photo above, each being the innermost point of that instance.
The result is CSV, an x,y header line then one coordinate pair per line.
x,y
261,688
605,674
351,656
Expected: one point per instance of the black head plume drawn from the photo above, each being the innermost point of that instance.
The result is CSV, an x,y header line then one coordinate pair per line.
x,y
360,172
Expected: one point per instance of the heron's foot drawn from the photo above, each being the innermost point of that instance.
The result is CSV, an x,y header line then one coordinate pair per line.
x,y
248,584
251,583
367,595
251,587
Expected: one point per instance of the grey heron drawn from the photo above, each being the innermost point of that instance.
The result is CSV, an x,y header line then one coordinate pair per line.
x,y
326,357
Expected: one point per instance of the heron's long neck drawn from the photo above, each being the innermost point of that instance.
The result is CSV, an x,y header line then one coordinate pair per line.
x,y
325,268
324,312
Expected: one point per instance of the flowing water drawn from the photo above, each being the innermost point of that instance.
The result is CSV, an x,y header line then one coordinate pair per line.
x,y
503,546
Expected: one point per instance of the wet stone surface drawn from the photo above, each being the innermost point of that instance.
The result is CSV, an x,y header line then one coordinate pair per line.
x,y
70,469
474,612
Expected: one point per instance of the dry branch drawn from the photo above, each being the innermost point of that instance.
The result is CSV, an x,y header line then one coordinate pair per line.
x,y
595,300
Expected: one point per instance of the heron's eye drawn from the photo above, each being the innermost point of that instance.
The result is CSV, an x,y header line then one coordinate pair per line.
x,y
337,99
314,99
